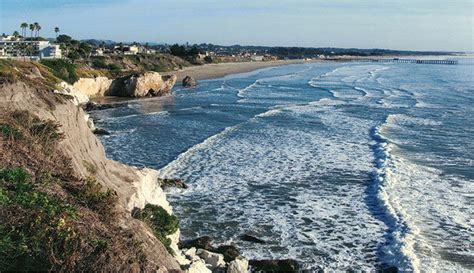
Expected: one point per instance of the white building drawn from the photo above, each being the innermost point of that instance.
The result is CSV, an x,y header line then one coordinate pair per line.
x,y
51,51
256,58
7,38
29,49
98,52
127,50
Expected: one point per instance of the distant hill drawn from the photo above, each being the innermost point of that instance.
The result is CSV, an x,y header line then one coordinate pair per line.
x,y
299,52
97,42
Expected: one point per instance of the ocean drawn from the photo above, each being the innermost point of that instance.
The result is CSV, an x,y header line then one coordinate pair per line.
x,y
338,165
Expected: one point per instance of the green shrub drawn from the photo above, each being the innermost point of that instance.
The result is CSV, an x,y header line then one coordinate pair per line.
x,y
113,67
99,63
9,132
39,228
92,194
160,221
62,69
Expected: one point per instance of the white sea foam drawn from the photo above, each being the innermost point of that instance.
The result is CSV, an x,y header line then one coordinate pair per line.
x,y
241,93
403,119
401,246
231,170
121,118
340,82
327,102
419,202
164,172
270,113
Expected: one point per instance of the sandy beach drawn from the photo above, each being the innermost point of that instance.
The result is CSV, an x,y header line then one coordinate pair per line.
x,y
212,71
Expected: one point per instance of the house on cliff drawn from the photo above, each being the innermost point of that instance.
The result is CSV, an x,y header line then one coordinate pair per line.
x,y
19,49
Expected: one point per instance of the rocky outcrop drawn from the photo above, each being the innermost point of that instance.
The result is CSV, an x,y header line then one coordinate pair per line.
x,y
204,242
238,265
287,265
172,183
230,252
68,90
93,87
250,238
147,84
189,82
217,259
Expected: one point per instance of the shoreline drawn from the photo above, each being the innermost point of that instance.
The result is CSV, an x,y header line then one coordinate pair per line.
x,y
215,71
208,72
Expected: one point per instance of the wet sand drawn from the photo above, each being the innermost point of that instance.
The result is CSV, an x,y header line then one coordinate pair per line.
x,y
212,71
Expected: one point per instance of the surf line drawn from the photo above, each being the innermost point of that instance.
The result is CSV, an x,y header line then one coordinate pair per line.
x,y
400,251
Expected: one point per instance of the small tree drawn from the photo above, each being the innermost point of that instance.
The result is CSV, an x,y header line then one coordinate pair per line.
x,y
64,39
56,30
73,56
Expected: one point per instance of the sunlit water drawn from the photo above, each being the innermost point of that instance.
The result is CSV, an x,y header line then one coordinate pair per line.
x,y
339,165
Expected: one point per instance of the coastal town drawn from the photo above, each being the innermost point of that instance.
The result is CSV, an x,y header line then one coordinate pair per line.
x,y
23,45
34,47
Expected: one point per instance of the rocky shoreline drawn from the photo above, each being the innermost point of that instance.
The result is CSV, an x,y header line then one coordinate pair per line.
x,y
200,255
135,85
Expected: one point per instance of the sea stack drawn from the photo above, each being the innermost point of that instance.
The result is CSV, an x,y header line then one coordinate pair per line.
x,y
148,84
189,81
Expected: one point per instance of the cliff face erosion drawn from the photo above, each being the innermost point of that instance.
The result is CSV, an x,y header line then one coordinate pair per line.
x,y
64,205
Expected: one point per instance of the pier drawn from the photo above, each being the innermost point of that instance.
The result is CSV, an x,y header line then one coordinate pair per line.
x,y
408,61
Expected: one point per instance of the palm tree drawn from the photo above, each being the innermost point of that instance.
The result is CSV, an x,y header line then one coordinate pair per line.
x,y
32,28
23,27
36,28
56,30
16,34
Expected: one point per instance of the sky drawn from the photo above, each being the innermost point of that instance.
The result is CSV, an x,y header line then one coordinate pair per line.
x,y
446,25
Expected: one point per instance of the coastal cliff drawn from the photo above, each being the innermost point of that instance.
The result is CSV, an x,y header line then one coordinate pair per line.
x,y
75,162
74,209
147,84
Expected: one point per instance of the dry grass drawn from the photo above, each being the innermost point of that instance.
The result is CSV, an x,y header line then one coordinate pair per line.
x,y
50,219
32,73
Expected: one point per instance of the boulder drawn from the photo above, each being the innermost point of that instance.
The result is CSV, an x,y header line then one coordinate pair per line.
x,y
239,265
287,265
198,267
142,85
190,253
101,132
230,252
215,260
172,182
189,82
253,239
204,242
94,106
